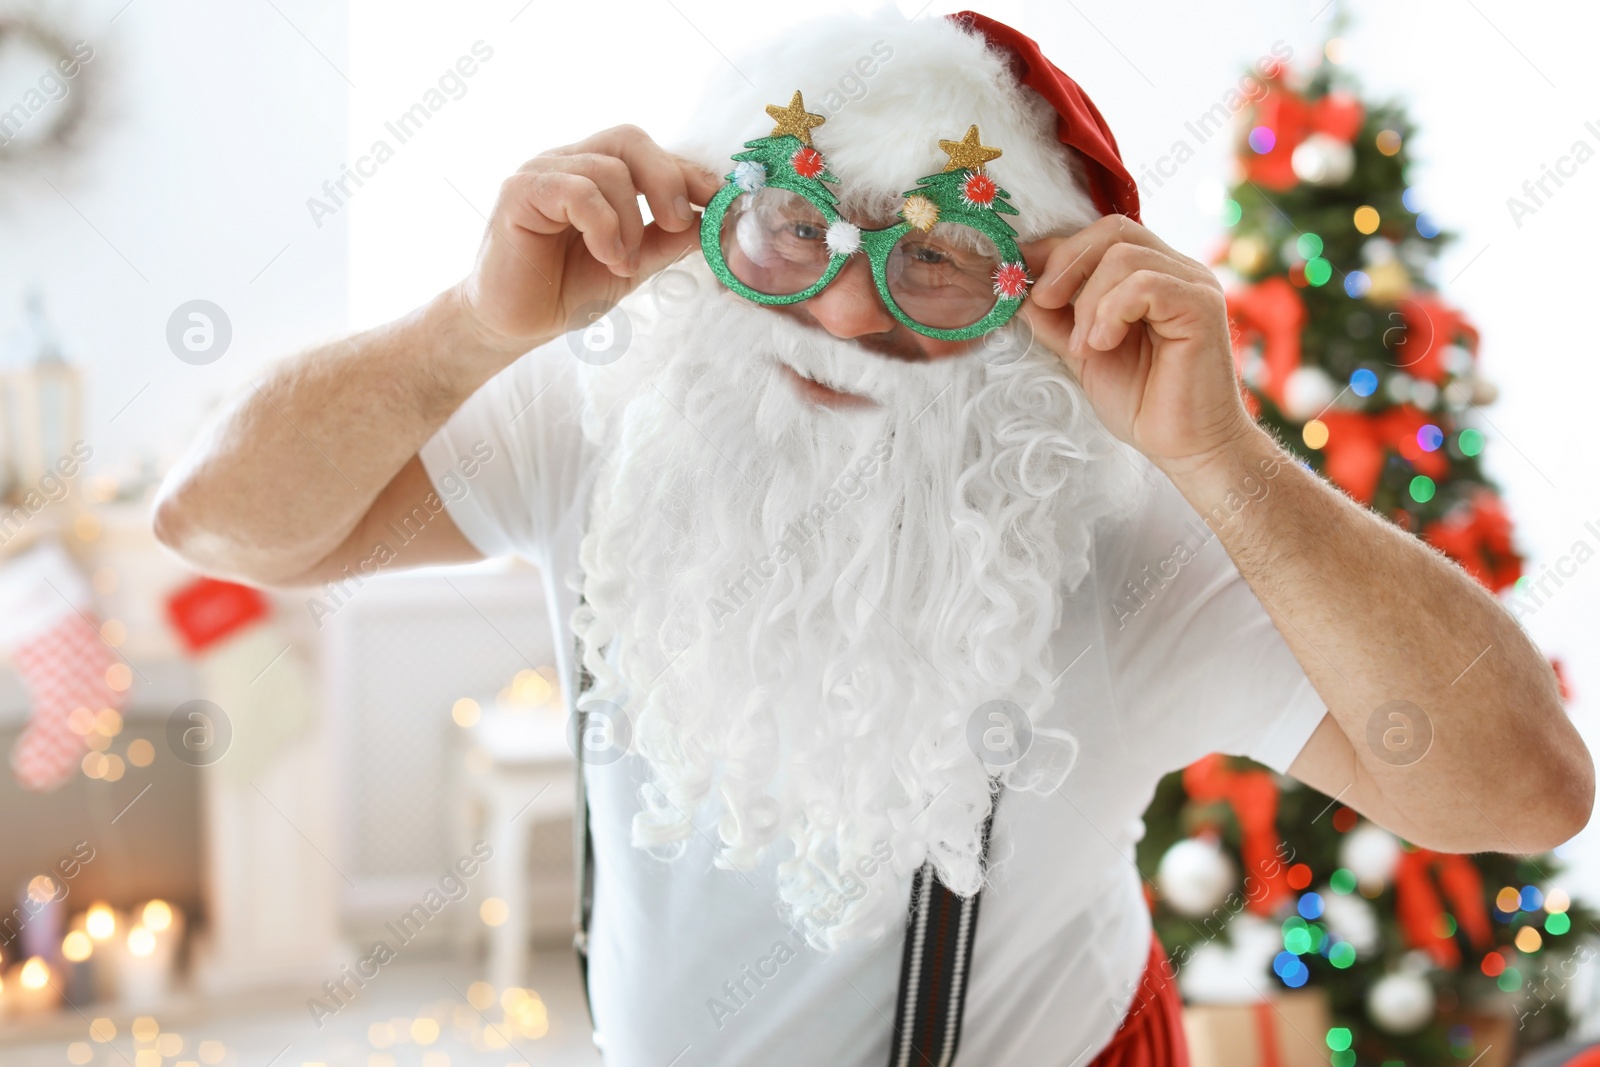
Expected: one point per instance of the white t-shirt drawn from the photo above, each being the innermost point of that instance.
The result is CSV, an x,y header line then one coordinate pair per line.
x,y
692,965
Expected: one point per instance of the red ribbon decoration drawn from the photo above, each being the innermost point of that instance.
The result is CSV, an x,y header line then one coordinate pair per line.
x,y
1479,538
1291,120
1418,907
1431,326
1266,1034
1358,442
1273,312
207,610
1253,796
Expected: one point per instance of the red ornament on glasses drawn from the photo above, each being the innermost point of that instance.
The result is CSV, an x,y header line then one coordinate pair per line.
x,y
1011,280
807,162
978,190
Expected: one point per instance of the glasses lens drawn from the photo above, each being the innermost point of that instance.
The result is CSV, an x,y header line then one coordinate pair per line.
x,y
944,278
774,241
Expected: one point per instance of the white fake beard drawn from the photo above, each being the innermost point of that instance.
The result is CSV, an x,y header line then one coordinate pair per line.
x,y
813,604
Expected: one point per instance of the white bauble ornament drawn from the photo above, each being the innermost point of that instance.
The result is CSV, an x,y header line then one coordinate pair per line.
x,y
1194,877
1254,369
1307,393
1371,853
1376,250
1458,359
1323,160
1401,1003
1415,962
1232,974
1350,918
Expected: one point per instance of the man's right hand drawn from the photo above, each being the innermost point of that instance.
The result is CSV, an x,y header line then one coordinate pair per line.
x,y
308,468
567,231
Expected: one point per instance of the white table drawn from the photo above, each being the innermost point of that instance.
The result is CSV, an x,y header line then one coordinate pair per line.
x,y
528,776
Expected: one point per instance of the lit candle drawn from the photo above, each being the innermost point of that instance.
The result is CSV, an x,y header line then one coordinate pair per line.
x,y
101,922
141,942
42,916
157,915
31,988
163,920
144,970
77,948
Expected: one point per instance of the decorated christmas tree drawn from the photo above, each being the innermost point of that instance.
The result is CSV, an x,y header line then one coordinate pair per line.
x,y
786,156
1353,357
964,193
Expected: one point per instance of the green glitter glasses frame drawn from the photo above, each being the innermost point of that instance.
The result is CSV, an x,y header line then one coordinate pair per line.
x,y
949,269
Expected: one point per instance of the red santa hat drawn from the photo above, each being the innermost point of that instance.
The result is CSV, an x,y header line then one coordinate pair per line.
x,y
891,88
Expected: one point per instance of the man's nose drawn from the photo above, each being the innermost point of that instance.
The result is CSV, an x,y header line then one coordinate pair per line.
x,y
850,306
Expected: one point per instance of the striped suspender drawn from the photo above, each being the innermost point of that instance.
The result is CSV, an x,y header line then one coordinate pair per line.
x,y
582,841
933,966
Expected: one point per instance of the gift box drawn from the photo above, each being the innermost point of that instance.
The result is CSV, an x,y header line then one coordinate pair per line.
x,y
1284,1031
1482,1039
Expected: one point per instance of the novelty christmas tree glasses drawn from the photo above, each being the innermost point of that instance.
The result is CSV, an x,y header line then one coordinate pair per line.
x,y
949,269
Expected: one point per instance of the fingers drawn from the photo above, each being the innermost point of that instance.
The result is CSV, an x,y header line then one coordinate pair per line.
x,y
1171,305
616,183
1117,263
1073,259
670,184
620,164
548,202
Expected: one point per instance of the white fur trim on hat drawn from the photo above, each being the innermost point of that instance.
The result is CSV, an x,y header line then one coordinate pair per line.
x,y
891,89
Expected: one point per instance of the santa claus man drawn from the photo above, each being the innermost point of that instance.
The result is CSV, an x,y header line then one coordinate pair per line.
x,y
904,539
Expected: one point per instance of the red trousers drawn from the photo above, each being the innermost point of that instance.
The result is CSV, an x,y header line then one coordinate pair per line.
x,y
1151,1034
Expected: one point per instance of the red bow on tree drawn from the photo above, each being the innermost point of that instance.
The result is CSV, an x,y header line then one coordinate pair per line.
x,y
1291,120
1431,325
1419,909
1253,795
1478,537
207,609
1357,443
1561,679
1273,312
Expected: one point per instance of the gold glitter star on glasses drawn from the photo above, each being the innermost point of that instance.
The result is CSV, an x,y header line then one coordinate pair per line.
x,y
794,119
967,152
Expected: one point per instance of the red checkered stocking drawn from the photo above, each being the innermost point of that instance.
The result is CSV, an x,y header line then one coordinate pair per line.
x,y
53,642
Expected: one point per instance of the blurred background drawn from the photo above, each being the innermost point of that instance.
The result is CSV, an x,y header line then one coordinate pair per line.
x,y
221,799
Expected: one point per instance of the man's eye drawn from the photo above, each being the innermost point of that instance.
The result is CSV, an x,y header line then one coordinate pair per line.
x,y
928,254
805,231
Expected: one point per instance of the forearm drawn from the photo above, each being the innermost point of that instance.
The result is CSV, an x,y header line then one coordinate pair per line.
x,y
288,470
1374,616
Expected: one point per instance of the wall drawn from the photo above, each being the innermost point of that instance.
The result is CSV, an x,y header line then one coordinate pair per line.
x,y
216,122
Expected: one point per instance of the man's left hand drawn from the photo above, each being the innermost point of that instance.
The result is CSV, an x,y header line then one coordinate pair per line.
x,y
1371,613
1145,330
